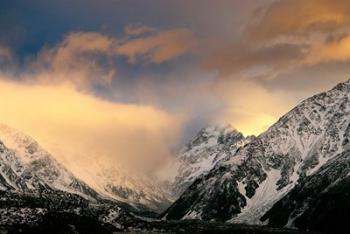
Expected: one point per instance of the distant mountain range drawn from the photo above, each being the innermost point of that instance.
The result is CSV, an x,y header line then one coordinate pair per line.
x,y
294,175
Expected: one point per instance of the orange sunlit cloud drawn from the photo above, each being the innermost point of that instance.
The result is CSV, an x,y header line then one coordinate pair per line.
x,y
297,17
79,128
159,47
137,29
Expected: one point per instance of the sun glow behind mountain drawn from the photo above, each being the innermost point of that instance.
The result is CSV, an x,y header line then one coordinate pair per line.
x,y
259,124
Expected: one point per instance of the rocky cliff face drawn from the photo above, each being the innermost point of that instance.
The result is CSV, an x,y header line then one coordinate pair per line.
x,y
248,182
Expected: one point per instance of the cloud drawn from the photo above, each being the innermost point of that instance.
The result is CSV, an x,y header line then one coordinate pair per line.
x,y
280,60
288,33
138,29
80,129
288,36
250,107
236,58
159,47
90,58
6,57
305,81
83,58
54,101
299,17
5,53
334,50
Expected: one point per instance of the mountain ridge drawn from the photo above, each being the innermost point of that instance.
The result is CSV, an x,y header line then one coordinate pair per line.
x,y
297,145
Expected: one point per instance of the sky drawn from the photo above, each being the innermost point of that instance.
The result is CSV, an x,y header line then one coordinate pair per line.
x,y
90,79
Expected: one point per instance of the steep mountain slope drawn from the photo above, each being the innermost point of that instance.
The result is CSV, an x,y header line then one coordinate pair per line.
x,y
319,202
246,184
202,153
27,168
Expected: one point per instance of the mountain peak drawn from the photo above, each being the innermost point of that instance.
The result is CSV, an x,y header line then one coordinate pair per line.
x,y
219,128
210,135
204,151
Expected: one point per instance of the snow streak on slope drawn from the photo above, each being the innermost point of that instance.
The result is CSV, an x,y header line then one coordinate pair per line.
x,y
265,195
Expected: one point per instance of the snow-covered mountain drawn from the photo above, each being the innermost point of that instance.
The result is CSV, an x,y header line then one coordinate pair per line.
x,y
247,183
296,174
25,167
202,153
39,195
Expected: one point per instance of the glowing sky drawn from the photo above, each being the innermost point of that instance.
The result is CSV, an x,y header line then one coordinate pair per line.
x,y
96,77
